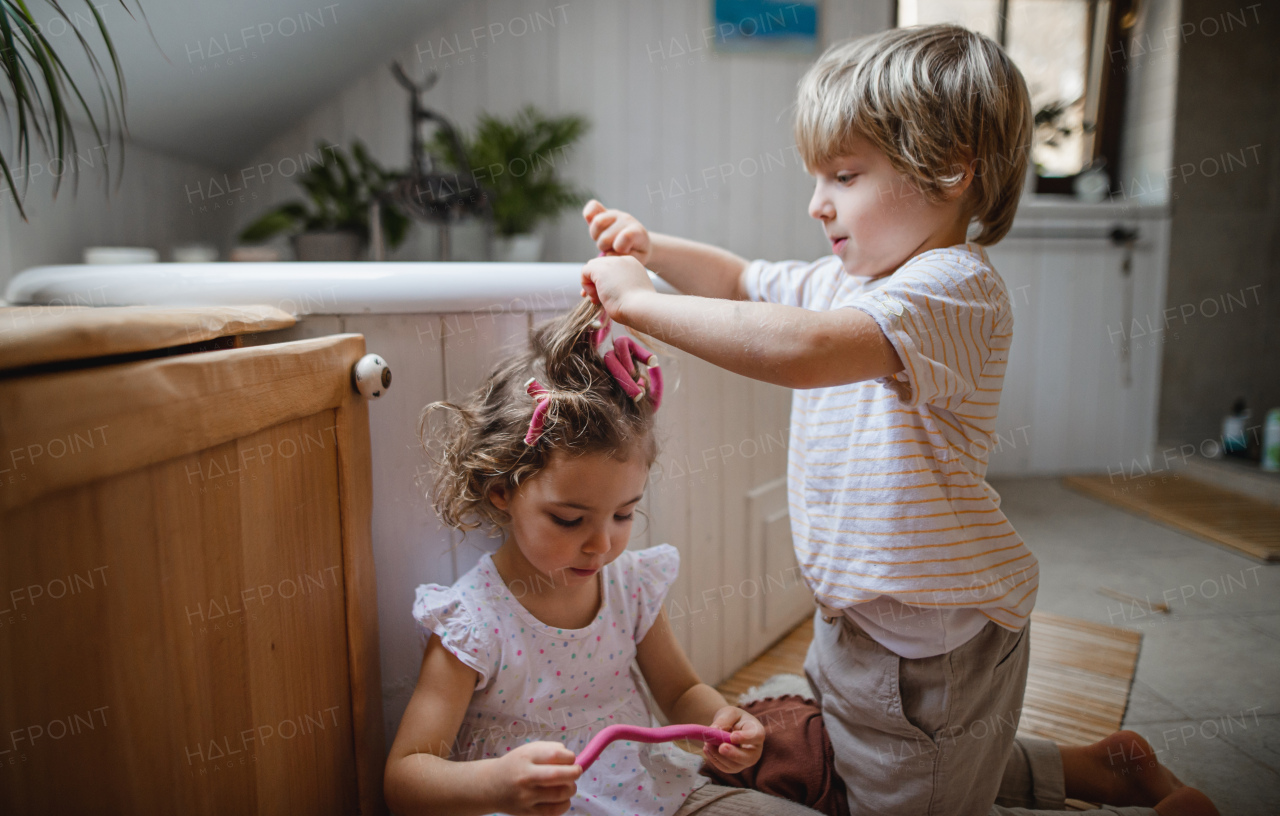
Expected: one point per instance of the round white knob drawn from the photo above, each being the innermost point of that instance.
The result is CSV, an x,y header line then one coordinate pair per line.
x,y
371,376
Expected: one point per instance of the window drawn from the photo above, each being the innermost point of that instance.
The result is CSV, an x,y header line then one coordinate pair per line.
x,y
1069,53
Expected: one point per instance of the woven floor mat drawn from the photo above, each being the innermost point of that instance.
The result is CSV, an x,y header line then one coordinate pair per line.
x,y
1077,684
1234,520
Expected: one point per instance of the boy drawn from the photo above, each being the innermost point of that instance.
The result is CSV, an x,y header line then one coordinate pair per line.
x,y
896,346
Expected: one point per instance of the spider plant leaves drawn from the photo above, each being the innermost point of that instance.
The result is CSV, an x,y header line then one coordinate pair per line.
x,y
44,97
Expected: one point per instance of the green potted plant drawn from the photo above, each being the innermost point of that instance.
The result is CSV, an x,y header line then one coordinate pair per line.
x,y
517,161
43,95
333,225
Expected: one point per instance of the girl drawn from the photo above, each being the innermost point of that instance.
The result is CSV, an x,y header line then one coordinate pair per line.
x,y
528,655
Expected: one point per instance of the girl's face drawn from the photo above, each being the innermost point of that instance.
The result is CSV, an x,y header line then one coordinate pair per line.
x,y
575,515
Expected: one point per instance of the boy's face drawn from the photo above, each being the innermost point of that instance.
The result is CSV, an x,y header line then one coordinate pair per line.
x,y
874,217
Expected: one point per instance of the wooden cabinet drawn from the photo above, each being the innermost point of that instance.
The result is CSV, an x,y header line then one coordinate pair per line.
x,y
187,599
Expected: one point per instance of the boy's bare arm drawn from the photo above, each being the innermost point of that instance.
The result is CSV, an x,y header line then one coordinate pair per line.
x,y
784,345
696,268
693,268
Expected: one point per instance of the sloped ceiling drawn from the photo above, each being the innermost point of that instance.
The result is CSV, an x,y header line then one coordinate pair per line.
x,y
213,80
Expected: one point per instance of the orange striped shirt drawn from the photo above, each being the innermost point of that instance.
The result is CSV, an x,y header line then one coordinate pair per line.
x,y
887,477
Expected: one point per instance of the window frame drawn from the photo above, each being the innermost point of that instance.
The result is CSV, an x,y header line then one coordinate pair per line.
x,y
1112,67
1111,94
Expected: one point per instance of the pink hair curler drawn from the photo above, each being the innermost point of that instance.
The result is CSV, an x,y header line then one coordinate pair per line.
x,y
621,362
534,389
601,325
591,753
621,359
655,384
622,375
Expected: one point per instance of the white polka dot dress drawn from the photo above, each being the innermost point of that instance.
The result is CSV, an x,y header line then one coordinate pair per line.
x,y
540,682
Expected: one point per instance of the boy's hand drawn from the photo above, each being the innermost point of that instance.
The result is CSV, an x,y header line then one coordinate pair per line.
x,y
617,232
747,741
538,779
610,280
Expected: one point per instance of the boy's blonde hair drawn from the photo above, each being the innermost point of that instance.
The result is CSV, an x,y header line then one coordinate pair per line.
x,y
925,96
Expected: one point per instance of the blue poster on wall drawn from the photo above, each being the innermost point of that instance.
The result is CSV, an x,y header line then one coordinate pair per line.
x,y
766,25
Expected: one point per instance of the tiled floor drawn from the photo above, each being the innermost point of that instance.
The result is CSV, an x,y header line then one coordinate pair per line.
x,y
1207,690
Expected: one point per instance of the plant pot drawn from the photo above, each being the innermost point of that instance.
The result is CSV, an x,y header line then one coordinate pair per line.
x,y
328,246
525,248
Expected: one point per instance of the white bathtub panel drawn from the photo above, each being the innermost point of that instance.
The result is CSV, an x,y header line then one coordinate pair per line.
x,y
410,545
702,390
784,598
669,500
738,475
474,343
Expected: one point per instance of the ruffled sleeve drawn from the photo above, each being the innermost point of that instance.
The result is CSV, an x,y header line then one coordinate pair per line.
x,y
442,611
650,575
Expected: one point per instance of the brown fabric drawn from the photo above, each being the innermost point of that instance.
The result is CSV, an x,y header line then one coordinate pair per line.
x,y
797,762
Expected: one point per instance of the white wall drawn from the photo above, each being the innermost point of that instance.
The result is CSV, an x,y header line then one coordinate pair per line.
x,y
662,115
146,203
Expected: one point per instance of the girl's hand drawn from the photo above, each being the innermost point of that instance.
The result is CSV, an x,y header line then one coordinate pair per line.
x,y
536,779
610,280
747,741
617,232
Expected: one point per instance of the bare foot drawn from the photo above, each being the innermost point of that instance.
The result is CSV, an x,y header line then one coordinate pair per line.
x,y
1122,769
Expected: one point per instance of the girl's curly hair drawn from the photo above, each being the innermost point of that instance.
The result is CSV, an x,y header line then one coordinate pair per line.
x,y
483,447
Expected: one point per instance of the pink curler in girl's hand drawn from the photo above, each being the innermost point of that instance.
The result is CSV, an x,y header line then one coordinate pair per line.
x,y
706,733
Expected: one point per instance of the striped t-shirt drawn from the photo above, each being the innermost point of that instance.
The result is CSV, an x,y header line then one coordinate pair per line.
x,y
889,504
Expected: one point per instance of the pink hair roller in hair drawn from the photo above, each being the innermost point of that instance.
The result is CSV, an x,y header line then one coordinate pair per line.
x,y
601,325
543,397
621,362
650,361
591,753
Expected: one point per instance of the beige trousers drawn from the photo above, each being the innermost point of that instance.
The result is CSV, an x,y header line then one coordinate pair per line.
x,y
934,736
719,800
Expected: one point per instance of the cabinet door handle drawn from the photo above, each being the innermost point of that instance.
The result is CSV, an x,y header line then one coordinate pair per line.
x,y
371,376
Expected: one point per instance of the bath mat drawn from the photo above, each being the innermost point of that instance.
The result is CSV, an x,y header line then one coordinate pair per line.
x,y
1077,683
784,657
777,686
1233,520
